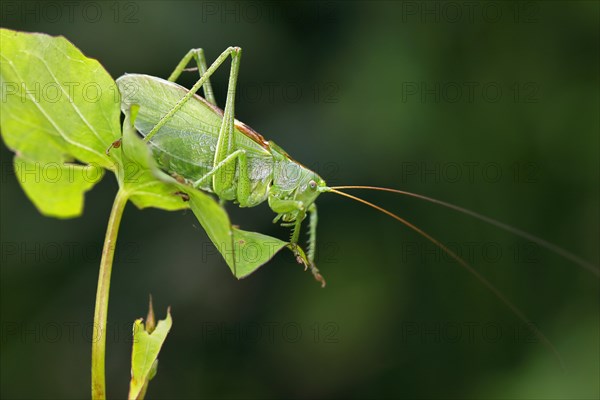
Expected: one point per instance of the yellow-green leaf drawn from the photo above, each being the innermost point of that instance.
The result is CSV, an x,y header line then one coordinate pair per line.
x,y
139,176
56,188
144,355
58,106
51,92
243,251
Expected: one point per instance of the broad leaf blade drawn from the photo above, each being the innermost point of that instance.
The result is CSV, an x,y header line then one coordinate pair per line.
x,y
56,188
57,106
253,249
140,177
243,251
52,95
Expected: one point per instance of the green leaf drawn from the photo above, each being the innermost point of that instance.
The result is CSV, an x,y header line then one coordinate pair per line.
x,y
56,189
138,175
58,106
144,355
53,94
243,251
253,249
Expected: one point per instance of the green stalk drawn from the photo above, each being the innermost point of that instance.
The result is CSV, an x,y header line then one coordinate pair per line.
x,y
101,311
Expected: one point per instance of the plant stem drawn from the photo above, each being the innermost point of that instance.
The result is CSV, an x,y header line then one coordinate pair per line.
x,y
101,311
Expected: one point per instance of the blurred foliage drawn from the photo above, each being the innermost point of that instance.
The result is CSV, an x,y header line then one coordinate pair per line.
x,y
397,319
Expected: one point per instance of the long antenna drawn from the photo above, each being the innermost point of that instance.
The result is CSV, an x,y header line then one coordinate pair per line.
x,y
516,231
465,265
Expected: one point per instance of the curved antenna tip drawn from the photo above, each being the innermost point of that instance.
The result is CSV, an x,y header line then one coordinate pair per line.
x,y
491,287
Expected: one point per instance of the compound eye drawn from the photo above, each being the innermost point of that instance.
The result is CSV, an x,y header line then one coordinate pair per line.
x,y
312,184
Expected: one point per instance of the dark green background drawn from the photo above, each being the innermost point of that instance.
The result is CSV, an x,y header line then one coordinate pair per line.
x,y
397,318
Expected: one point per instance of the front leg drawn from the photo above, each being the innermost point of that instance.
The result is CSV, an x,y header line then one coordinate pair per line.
x,y
282,207
289,207
312,232
312,243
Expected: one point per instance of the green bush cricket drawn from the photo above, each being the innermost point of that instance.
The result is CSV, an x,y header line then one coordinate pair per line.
x,y
206,147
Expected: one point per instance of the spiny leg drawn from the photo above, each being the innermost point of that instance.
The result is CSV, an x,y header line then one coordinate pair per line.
x,y
198,55
301,257
312,243
297,226
312,232
286,206
224,178
216,64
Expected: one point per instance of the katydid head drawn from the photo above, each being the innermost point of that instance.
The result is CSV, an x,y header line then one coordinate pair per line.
x,y
309,188
295,188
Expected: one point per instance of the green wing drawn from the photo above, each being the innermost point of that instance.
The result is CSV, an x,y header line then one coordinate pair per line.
x,y
186,144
